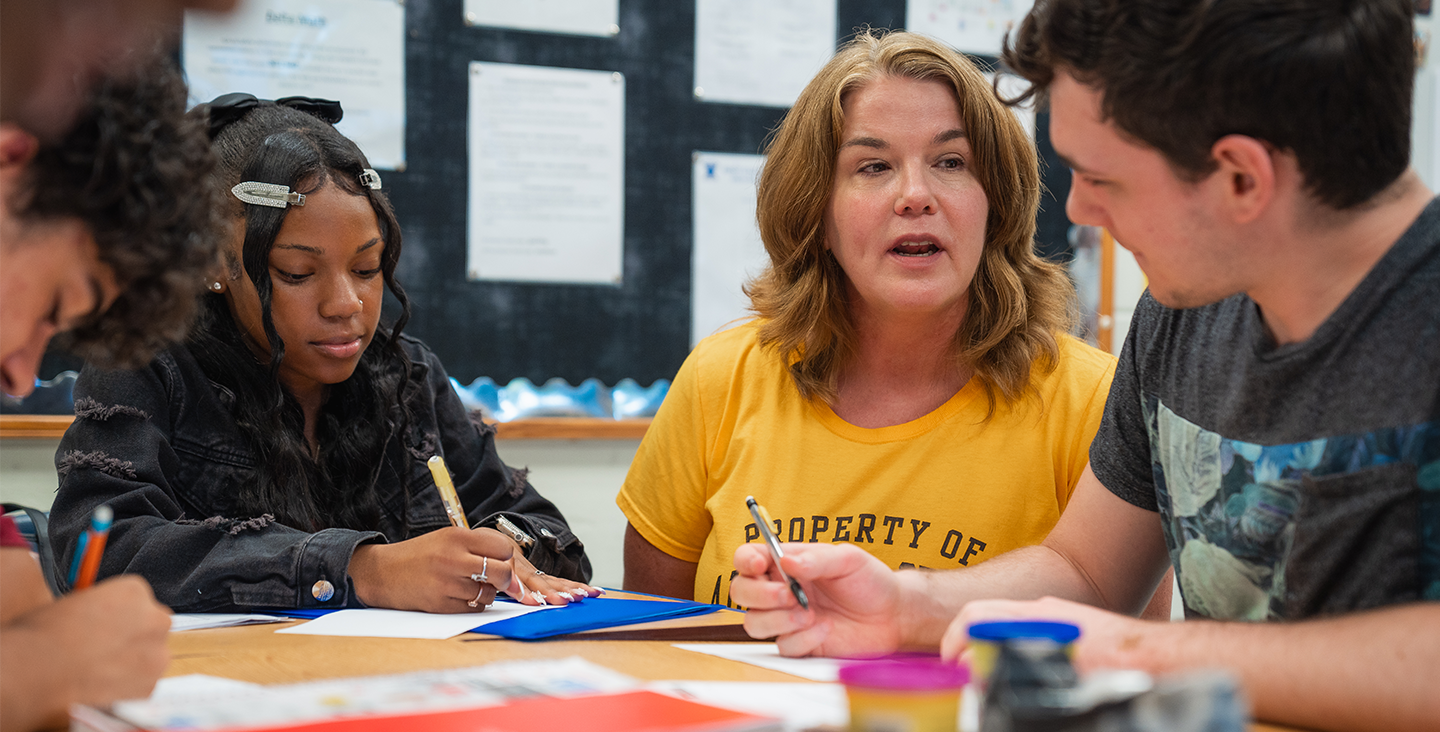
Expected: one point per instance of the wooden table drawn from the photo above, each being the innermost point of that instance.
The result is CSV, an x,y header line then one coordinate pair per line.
x,y
257,654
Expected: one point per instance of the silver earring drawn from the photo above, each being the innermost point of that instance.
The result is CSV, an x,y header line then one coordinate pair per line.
x,y
216,286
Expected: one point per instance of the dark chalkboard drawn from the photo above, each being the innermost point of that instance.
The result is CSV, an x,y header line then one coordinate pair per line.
x,y
641,328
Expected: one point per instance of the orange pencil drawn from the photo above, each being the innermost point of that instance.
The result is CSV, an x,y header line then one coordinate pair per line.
x,y
89,564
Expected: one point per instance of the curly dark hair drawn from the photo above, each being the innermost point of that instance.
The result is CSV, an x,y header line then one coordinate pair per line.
x,y
136,171
1330,81
356,425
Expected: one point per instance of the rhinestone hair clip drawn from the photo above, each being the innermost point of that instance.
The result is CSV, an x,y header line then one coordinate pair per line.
x,y
370,179
268,194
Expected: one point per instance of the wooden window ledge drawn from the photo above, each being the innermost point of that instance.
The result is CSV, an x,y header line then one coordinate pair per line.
x,y
53,426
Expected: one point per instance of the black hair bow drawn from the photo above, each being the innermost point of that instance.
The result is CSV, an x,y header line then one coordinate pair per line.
x,y
226,109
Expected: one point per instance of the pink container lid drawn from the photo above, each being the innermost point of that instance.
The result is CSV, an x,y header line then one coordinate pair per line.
x,y
905,674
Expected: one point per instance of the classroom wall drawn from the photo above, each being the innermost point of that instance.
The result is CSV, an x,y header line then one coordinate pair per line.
x,y
580,476
1425,125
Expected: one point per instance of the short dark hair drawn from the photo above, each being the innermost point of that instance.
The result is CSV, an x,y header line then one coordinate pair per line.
x,y
136,172
1330,81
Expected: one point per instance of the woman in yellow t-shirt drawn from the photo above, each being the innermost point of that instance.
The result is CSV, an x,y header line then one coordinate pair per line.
x,y
908,385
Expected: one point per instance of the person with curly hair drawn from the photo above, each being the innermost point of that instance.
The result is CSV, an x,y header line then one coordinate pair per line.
x,y
277,459
909,386
106,234
52,52
129,183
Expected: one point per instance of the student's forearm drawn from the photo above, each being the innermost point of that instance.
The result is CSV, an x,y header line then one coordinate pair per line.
x,y
1377,670
932,599
25,587
34,690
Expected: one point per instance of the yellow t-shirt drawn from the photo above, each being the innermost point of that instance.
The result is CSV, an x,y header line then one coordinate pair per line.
x,y
945,490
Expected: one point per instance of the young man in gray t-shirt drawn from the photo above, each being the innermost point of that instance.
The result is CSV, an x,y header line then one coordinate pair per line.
x,y
1271,430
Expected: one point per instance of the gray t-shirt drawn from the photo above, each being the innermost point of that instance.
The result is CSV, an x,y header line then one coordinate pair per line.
x,y
1293,480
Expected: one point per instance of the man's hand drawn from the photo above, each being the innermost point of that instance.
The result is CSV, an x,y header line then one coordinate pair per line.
x,y
855,600
1107,640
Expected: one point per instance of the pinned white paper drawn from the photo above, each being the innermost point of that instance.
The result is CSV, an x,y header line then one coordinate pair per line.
x,y
547,183
760,52
1012,86
348,50
972,26
578,17
728,251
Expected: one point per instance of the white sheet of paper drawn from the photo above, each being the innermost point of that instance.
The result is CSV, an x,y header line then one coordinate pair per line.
x,y
760,51
197,685
378,623
768,656
801,706
200,621
728,251
547,174
578,17
972,26
349,50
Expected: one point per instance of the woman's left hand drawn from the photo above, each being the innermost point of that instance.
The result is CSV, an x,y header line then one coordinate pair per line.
x,y
538,588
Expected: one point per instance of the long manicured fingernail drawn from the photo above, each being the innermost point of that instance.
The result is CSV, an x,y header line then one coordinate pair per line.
x,y
568,597
538,597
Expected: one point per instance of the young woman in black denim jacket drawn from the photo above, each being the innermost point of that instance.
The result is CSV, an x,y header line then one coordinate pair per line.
x,y
277,458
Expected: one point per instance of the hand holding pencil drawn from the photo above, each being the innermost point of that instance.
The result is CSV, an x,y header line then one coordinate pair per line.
x,y
456,569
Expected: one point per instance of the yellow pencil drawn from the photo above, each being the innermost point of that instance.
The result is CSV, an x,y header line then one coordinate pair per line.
x,y
448,496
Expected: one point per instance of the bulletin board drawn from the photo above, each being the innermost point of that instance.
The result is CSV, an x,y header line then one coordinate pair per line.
x,y
639,329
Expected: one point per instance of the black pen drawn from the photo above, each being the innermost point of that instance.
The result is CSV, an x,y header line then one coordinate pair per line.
x,y
762,518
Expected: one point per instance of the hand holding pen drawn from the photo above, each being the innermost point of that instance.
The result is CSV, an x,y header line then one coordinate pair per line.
x,y
857,605
762,519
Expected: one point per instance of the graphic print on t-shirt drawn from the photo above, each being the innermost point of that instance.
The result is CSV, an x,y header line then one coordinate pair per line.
x,y
871,531
1330,525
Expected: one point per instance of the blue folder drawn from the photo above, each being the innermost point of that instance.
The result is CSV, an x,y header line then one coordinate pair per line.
x,y
592,614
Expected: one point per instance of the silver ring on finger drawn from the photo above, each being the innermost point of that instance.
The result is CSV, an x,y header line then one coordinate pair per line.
x,y
476,601
484,570
538,573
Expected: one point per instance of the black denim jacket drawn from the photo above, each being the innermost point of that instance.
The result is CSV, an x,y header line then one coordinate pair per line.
x,y
160,446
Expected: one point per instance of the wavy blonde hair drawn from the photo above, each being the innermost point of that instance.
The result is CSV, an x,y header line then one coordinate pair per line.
x,y
1017,302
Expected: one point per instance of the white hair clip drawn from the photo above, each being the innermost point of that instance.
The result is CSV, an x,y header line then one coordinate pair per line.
x,y
370,179
267,194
